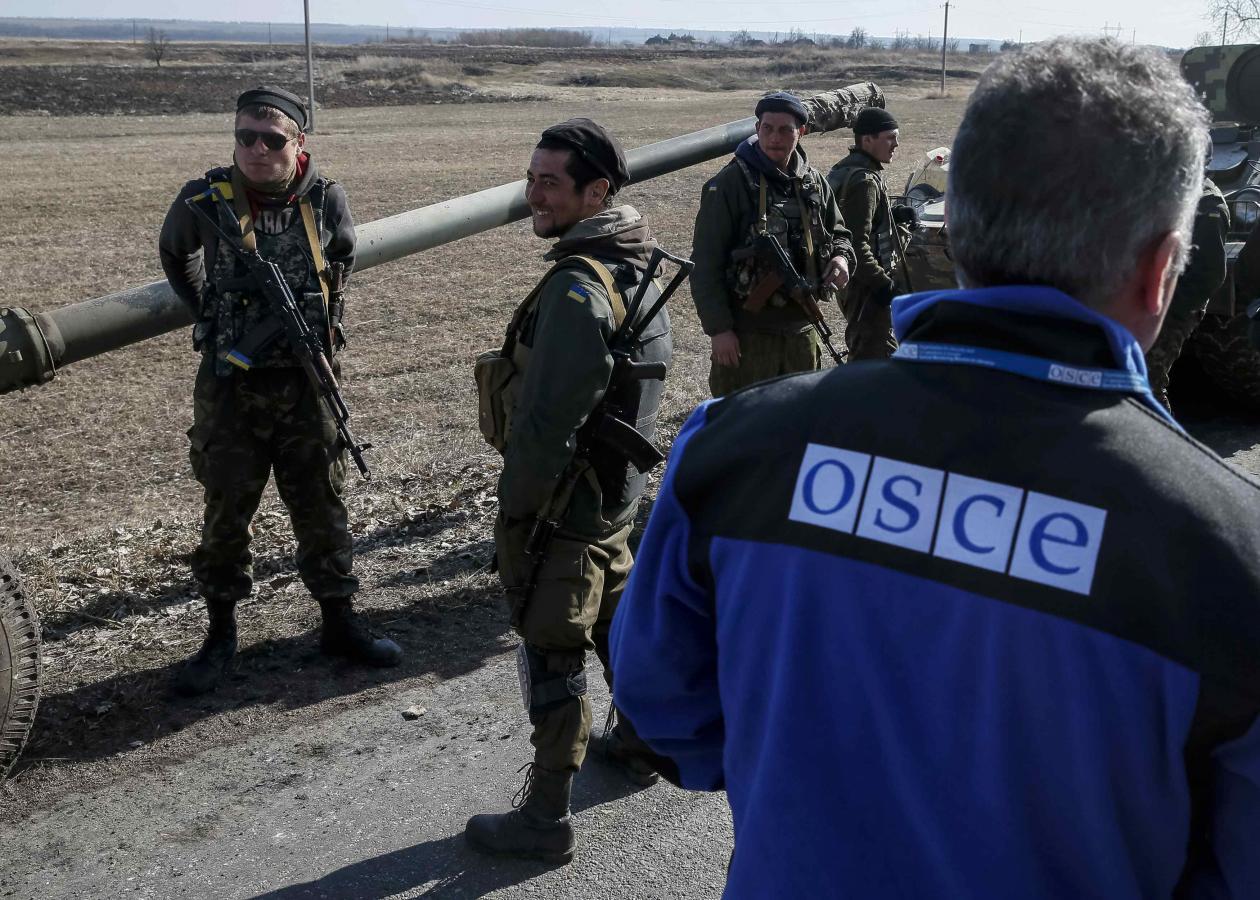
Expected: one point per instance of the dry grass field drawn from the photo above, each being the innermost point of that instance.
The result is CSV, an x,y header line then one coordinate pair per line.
x,y
99,506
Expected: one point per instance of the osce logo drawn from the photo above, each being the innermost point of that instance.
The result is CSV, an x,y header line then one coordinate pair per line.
x,y
991,526
1069,375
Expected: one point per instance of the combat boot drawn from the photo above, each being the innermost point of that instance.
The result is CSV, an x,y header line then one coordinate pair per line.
x,y
345,634
624,750
201,673
538,827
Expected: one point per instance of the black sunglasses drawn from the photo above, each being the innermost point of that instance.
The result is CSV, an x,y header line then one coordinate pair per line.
x,y
271,140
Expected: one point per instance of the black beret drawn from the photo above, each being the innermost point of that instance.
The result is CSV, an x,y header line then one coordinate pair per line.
x,y
873,120
592,142
289,104
782,101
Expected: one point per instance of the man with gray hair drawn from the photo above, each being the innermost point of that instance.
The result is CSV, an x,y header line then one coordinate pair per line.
x,y
938,623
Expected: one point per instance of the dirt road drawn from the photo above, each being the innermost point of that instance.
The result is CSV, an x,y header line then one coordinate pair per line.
x,y
363,805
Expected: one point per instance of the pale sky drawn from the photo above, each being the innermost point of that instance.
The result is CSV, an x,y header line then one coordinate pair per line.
x,y
1164,22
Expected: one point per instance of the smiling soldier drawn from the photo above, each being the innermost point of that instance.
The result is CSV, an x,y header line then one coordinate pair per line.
x,y
264,416
756,330
538,392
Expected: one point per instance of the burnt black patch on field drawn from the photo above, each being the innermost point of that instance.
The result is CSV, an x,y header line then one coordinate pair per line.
x,y
128,90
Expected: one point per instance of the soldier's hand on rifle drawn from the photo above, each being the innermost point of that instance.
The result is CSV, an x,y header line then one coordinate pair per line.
x,y
837,274
725,349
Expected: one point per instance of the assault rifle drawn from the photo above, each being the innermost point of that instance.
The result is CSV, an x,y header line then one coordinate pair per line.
x,y
286,319
784,275
606,427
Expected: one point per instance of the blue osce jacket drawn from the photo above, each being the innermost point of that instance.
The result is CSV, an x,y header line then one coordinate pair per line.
x,y
969,629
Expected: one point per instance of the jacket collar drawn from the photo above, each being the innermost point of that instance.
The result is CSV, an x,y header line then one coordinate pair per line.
x,y
1032,319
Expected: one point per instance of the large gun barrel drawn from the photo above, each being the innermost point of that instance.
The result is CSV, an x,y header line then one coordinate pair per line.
x,y
34,345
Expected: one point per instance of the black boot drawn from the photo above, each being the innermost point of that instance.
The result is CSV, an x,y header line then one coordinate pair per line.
x,y
538,827
201,673
620,747
344,634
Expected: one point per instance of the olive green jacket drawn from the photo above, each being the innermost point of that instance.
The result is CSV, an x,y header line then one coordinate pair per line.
x,y
1206,269
724,224
567,373
863,201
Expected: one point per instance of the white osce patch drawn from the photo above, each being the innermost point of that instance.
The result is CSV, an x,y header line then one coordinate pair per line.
x,y
979,523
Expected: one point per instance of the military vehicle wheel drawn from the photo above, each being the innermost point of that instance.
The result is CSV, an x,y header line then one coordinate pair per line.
x,y
19,666
1225,353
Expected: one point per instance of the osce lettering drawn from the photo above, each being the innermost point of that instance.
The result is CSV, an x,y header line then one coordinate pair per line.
x,y
980,523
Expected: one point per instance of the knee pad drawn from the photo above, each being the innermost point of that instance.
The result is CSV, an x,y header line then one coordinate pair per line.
x,y
543,690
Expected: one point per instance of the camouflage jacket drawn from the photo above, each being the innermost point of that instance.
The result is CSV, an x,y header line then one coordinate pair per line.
x,y
210,279
862,197
564,366
726,226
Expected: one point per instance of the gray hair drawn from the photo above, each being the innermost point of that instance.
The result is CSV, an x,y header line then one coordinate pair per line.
x,y
1072,159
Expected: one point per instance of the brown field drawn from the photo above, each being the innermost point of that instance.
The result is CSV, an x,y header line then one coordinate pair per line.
x,y
99,504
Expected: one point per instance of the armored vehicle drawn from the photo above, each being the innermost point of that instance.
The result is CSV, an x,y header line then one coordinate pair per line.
x,y
1228,80
33,346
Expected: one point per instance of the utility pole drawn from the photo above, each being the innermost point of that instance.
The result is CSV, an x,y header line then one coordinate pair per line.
x,y
133,32
387,32
944,42
1224,22
310,71
268,34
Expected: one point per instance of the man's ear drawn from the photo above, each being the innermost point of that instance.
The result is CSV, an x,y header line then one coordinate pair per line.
x,y
1158,278
597,190
301,139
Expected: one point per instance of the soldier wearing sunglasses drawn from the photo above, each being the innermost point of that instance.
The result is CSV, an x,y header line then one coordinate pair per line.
x,y
255,413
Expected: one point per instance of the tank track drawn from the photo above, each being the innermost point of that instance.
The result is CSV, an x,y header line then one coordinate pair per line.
x,y
19,666
1223,350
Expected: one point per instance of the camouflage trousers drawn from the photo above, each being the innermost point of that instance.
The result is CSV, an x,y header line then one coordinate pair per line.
x,y
1173,334
867,327
569,613
246,426
764,355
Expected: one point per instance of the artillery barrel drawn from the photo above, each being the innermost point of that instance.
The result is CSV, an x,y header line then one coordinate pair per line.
x,y
34,345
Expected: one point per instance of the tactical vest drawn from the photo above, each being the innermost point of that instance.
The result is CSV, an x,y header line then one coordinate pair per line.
x,y
785,216
881,237
500,373
287,235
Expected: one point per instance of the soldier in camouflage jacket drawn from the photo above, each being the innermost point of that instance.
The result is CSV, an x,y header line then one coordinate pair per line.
x,y
251,422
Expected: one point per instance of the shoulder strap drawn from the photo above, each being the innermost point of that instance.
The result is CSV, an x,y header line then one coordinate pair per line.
x,y
240,202
322,273
615,299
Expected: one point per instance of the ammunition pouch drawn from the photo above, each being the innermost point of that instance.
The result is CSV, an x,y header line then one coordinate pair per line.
x,y
494,374
203,327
